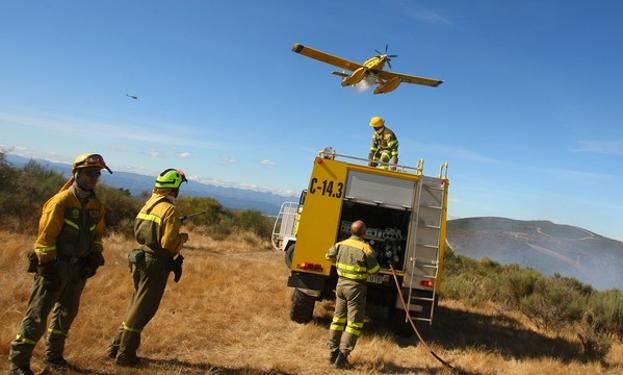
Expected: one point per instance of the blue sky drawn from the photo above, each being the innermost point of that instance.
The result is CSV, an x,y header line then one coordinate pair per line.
x,y
529,116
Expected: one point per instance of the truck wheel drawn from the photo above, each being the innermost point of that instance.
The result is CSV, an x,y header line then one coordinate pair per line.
x,y
288,254
398,324
302,309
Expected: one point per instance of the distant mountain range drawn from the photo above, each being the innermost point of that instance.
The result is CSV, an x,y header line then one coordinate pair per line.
x,y
231,197
547,247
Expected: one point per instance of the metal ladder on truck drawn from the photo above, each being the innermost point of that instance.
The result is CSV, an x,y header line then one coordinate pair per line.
x,y
423,271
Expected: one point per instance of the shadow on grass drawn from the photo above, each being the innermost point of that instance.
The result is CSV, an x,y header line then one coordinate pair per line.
x,y
461,330
391,368
185,366
72,369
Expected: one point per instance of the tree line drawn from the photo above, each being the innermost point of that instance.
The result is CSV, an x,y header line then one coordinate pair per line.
x,y
24,190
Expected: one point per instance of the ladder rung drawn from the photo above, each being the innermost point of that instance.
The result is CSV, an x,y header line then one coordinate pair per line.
x,y
424,319
427,266
422,299
424,276
432,226
431,206
426,246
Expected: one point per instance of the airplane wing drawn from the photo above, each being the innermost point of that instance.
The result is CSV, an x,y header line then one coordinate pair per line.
x,y
385,75
324,57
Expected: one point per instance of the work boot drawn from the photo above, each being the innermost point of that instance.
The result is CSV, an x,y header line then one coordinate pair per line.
x,y
112,350
333,356
127,360
21,371
341,361
56,363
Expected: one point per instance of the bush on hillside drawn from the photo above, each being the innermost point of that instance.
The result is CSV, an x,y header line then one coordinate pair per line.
x,y
550,302
606,311
211,210
121,208
254,221
23,192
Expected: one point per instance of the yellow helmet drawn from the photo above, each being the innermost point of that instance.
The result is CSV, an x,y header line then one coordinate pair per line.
x,y
377,122
88,160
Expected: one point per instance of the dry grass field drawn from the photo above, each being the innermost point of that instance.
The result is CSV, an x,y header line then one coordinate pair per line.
x,y
229,314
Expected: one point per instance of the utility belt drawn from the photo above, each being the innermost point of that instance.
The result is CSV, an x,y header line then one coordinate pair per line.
x,y
33,261
137,257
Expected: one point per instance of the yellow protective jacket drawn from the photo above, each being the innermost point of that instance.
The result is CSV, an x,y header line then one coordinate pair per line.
x,y
157,227
68,228
386,142
354,259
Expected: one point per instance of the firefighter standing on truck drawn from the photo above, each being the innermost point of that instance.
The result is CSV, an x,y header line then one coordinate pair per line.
x,y
384,147
354,260
157,230
67,252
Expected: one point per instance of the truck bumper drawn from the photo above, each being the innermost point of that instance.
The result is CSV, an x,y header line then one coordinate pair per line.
x,y
308,283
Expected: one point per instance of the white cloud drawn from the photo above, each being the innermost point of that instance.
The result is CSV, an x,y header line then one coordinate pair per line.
x,y
184,155
228,160
54,157
246,186
450,152
426,16
614,147
267,162
134,132
155,154
576,175
25,152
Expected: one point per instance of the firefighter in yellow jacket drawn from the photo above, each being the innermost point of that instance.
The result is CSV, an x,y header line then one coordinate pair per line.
x,y
384,146
354,260
157,230
68,251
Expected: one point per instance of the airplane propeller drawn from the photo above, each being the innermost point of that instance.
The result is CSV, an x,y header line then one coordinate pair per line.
x,y
385,56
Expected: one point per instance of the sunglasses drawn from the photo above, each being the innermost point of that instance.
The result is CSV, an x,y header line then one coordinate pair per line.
x,y
94,173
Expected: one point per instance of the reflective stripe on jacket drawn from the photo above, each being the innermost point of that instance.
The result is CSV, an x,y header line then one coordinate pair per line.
x,y
354,259
157,226
68,228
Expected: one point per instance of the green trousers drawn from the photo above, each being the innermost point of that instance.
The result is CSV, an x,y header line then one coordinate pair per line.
x,y
150,279
350,305
62,298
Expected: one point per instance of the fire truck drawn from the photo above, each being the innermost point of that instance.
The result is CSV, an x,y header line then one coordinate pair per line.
x,y
405,213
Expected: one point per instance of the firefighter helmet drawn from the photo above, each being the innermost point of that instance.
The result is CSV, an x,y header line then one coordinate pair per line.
x,y
170,179
377,122
88,160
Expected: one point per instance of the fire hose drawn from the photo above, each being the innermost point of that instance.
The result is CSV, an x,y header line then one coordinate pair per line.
x,y
404,306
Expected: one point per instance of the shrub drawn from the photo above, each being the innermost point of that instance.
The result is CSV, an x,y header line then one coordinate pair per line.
x,y
121,208
552,303
253,221
23,192
606,311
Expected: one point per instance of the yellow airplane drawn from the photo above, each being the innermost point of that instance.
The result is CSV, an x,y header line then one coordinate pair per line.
x,y
371,68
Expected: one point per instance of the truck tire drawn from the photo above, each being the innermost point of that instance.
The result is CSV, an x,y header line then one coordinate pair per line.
x,y
398,324
288,254
302,309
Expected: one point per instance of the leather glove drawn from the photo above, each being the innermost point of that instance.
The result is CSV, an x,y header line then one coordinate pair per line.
x,y
175,265
93,261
